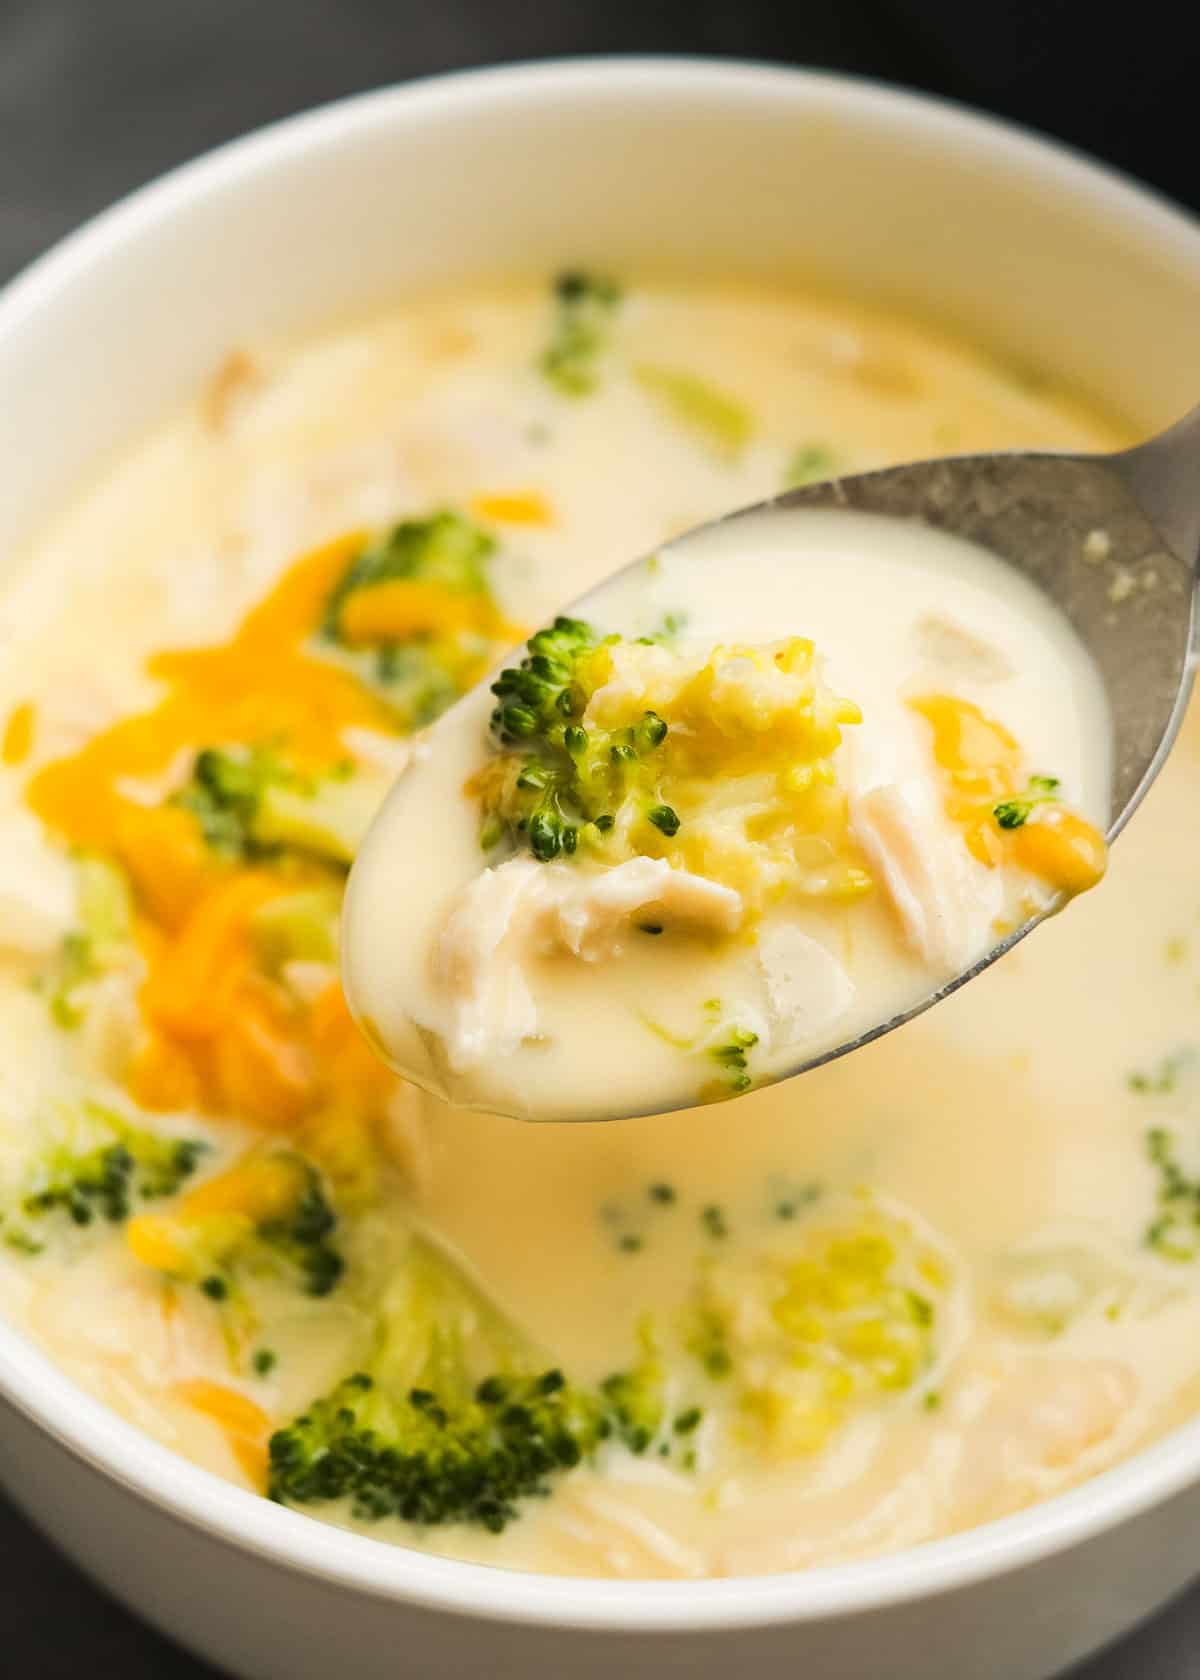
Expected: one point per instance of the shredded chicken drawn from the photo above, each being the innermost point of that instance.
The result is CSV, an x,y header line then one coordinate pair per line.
x,y
478,962
1049,1421
526,908
916,870
623,1540
807,987
957,651
37,891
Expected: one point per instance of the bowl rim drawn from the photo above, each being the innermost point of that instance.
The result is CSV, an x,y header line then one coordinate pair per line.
x,y
92,1435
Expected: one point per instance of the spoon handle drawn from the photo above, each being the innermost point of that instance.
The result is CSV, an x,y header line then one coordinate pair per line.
x,y
1164,475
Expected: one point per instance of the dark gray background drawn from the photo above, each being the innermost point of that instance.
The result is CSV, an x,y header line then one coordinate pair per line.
x,y
97,96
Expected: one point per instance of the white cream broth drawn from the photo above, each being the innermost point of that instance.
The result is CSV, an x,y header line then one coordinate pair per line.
x,y
941,1265
628,1025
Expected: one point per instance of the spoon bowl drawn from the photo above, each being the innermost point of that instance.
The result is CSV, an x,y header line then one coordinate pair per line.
x,y
1110,540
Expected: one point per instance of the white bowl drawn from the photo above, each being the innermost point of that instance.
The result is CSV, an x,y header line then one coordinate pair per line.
x,y
671,167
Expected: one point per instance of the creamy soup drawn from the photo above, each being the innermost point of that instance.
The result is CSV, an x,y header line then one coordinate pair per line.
x,y
756,868
948,1276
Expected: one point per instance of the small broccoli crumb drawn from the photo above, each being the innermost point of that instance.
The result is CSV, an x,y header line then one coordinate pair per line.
x,y
713,1220
663,1193
708,1342
664,819
264,1361
688,1421
215,1287
1164,1078
1174,1232
668,630
1014,813
630,1244
585,311
636,1397
793,1203
731,1055
809,464
20,1242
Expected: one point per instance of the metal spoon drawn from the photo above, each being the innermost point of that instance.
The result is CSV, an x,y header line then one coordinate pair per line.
x,y
1113,540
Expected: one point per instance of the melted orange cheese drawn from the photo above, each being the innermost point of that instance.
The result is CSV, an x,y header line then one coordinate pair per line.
x,y
981,765
218,1033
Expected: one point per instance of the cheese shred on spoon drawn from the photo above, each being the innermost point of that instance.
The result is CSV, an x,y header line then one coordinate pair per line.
x,y
769,789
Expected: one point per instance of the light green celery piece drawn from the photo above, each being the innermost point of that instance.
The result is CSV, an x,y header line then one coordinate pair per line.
x,y
297,927
723,422
331,821
809,464
105,906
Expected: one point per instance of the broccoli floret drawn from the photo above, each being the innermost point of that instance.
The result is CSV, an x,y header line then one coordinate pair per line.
x,y
453,1419
846,1313
99,1165
444,549
265,1214
585,310
556,782
540,698
223,794
251,805
414,618
1014,813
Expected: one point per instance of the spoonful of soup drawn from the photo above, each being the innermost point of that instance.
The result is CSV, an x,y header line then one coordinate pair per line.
x,y
773,790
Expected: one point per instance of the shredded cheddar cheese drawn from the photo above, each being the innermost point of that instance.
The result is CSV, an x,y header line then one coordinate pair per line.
x,y
17,741
982,766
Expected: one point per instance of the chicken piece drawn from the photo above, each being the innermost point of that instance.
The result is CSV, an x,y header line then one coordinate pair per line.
x,y
807,987
610,1534
478,963
593,912
37,891
1049,1422
525,908
958,652
917,871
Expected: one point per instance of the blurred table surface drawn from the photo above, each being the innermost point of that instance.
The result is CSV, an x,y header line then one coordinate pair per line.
x,y
97,96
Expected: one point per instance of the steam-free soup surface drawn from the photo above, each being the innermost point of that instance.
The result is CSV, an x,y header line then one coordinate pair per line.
x,y
922,1287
